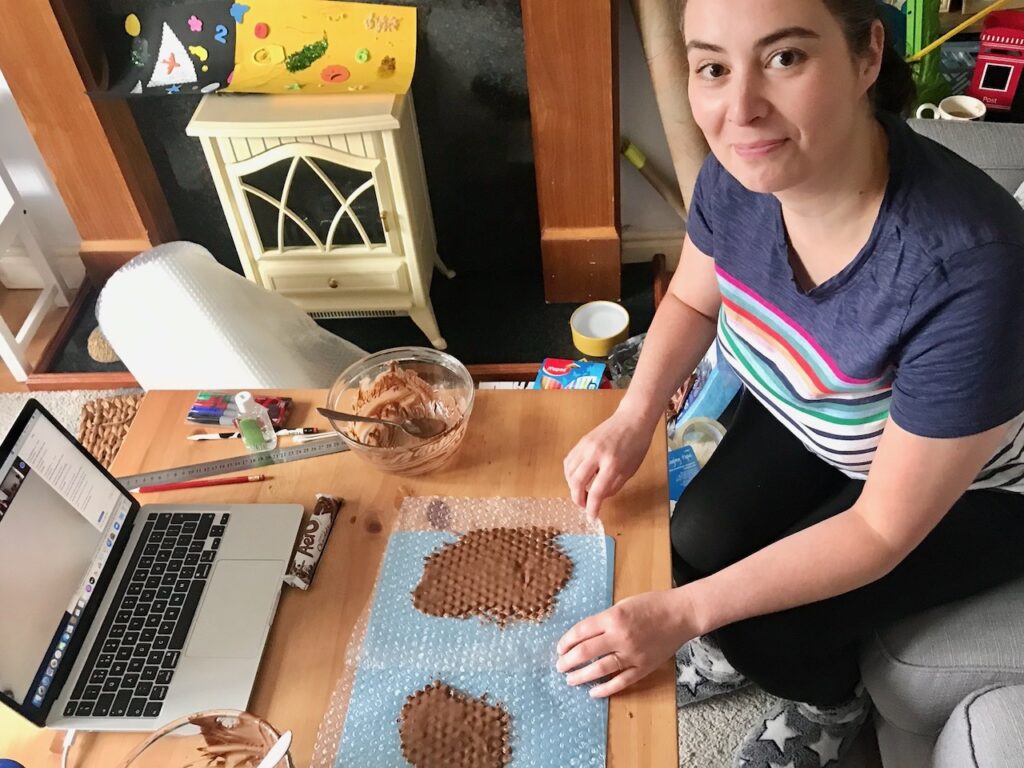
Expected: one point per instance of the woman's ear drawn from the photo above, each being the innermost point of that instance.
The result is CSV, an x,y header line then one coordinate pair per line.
x,y
871,61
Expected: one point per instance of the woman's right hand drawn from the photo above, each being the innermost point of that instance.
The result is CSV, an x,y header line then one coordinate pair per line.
x,y
607,456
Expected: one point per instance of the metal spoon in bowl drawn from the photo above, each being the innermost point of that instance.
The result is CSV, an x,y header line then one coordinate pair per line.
x,y
422,428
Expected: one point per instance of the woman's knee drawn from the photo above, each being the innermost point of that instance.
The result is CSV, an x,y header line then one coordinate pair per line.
x,y
745,649
701,536
782,656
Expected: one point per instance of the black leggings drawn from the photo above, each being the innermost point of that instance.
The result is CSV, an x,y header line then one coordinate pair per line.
x,y
761,485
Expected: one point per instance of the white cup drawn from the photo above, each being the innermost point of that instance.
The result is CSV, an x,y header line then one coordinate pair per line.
x,y
961,108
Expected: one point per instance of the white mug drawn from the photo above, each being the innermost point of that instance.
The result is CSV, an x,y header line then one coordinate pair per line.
x,y
962,108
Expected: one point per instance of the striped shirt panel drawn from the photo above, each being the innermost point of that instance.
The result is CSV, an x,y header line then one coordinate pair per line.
x,y
838,417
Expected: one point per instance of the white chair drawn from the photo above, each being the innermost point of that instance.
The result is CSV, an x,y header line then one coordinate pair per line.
x,y
17,228
180,320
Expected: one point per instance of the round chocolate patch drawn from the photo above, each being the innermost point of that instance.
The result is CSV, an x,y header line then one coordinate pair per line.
x,y
500,574
440,727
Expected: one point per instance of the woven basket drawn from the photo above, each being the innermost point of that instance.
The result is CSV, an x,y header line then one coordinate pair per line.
x,y
104,423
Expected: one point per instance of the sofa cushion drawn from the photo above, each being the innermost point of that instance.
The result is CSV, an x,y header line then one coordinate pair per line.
x,y
996,148
918,669
985,730
899,749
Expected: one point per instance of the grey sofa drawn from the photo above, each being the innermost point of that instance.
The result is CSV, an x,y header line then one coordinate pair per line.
x,y
948,684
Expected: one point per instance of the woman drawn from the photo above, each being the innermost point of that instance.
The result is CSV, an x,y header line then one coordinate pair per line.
x,y
868,287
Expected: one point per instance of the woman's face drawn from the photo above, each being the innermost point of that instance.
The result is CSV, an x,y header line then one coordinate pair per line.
x,y
774,87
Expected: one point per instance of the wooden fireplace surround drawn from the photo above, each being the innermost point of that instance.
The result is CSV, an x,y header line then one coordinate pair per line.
x,y
51,55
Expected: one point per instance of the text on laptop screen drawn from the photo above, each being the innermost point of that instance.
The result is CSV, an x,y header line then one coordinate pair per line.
x,y
59,519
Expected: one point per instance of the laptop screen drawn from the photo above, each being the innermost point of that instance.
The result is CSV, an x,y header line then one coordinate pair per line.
x,y
62,520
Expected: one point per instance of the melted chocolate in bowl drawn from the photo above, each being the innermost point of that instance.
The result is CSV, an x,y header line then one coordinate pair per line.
x,y
398,390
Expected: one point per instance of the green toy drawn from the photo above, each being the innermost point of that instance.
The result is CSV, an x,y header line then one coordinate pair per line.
x,y
922,28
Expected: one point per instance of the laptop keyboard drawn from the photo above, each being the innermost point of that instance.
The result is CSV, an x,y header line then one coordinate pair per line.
x,y
139,645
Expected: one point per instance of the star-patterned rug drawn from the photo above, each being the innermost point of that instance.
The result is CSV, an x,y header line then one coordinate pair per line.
x,y
822,752
711,730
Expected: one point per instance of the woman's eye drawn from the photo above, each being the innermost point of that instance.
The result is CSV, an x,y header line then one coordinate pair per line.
x,y
711,71
786,59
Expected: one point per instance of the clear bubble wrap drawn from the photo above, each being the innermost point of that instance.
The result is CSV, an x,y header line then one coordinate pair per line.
x,y
397,650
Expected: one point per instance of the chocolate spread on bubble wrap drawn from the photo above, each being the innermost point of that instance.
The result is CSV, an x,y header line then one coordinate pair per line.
x,y
441,727
500,574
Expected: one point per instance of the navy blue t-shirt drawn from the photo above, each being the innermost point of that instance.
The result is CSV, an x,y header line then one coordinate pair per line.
x,y
925,325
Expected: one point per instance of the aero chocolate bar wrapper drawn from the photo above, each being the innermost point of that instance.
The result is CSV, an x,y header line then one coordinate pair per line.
x,y
313,540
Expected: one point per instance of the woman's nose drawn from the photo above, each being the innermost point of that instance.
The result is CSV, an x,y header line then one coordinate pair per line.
x,y
747,101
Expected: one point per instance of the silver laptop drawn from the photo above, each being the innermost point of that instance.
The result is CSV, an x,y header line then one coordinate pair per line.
x,y
118,617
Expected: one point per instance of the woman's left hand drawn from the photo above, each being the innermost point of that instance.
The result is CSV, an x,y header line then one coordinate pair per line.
x,y
627,641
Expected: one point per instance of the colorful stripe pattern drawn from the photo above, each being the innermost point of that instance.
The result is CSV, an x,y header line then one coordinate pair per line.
x,y
837,416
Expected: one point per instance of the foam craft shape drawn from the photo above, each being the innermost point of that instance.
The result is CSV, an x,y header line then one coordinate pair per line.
x,y
173,64
264,46
171,49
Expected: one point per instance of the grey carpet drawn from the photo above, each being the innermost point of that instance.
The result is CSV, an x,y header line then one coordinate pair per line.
x,y
66,406
711,730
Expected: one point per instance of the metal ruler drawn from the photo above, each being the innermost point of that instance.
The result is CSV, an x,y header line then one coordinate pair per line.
x,y
235,464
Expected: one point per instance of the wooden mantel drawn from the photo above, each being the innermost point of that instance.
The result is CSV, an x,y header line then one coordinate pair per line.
x,y
572,72
50,57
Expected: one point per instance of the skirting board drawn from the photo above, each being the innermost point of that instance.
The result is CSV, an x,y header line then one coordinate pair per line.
x,y
639,246
17,271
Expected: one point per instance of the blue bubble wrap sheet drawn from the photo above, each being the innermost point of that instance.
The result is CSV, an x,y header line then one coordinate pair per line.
x,y
397,650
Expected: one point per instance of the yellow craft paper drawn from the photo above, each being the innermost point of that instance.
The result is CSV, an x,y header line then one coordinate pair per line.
x,y
374,45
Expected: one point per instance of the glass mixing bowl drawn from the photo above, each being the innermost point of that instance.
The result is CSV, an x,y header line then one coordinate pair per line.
x,y
207,740
387,448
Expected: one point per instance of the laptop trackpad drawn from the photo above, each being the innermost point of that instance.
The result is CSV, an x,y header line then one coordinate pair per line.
x,y
236,609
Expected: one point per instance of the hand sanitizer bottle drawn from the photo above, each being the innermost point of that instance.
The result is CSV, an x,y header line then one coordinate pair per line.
x,y
254,424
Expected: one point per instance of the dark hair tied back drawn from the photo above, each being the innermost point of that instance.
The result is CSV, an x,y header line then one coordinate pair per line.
x,y
894,90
